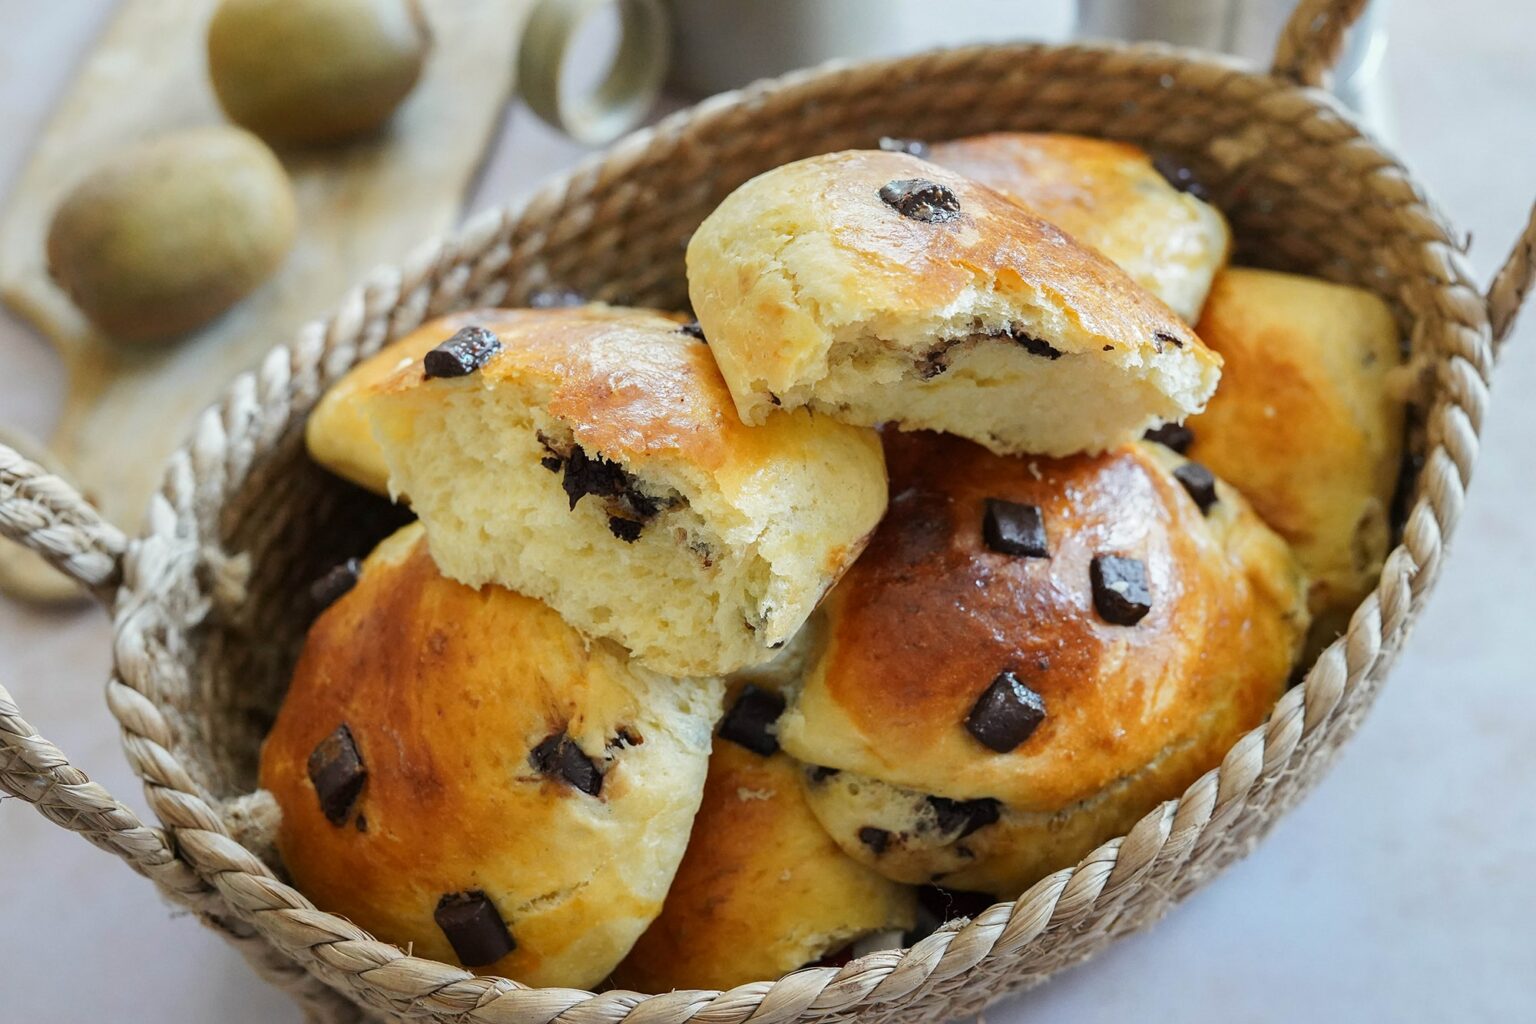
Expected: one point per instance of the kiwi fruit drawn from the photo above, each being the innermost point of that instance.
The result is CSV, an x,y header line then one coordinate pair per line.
x,y
169,233
315,71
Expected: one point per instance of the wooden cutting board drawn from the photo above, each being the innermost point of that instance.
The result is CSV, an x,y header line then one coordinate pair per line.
x,y
360,205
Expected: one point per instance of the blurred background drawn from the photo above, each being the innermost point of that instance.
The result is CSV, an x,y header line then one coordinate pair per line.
x,y
1399,891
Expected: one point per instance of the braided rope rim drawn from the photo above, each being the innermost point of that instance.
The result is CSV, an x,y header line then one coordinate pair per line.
x,y
1111,885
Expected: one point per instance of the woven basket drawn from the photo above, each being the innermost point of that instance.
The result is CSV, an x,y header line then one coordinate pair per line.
x,y
205,627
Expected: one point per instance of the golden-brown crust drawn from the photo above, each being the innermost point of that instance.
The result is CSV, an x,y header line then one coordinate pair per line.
x,y
629,383
1307,422
762,889
446,690
338,433
1107,195
810,246
929,616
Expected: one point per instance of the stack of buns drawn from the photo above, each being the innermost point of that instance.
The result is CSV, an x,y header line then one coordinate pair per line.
x,y
981,509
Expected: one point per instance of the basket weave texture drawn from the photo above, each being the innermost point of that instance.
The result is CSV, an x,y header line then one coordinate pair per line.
x,y
206,627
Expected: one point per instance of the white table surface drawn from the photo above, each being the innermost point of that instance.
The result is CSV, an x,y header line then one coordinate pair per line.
x,y
1402,890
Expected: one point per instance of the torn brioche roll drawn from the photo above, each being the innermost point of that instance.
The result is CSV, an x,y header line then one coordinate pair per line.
x,y
598,464
879,288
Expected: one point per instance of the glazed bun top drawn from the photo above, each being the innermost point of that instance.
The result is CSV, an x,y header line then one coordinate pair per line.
x,y
338,433
1107,195
1031,630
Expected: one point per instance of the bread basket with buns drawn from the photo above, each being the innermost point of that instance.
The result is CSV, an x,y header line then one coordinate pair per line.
x,y
207,625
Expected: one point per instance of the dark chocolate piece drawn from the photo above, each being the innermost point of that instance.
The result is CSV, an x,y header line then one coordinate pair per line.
x,y
877,839
626,737
821,773
473,927
361,822
1161,338
750,720
628,509
1172,435
1034,346
1005,714
330,588
337,772
911,147
1200,484
558,756
965,816
1120,590
921,199
693,330
464,353
1179,176
556,298
627,530
1011,528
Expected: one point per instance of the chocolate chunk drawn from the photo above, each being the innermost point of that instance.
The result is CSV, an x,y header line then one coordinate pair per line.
x,y
921,199
1172,435
877,839
337,772
1200,484
911,147
626,737
1120,590
1011,528
1005,714
628,509
748,723
361,823
328,589
553,463
1179,176
821,773
559,756
965,816
556,298
627,530
1034,346
473,927
1161,338
693,330
462,354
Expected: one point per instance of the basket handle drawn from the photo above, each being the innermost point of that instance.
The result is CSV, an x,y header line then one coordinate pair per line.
x,y
34,770
1313,38
42,512
1511,283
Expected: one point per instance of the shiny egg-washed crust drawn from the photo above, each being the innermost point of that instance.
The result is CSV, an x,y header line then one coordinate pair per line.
x,y
814,291
1308,423
750,525
338,433
762,890
446,690
930,616
1107,195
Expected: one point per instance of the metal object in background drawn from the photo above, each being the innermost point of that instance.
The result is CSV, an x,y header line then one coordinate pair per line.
x,y
1248,28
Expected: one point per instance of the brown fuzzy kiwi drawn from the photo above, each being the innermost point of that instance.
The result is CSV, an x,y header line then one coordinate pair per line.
x,y
167,234
312,71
